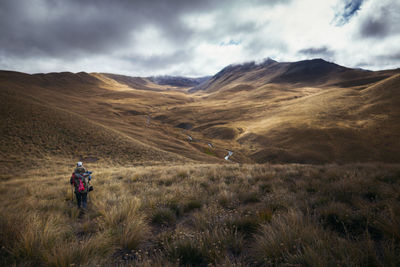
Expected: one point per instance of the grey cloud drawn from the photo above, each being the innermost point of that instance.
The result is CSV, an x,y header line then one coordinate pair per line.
x,y
393,57
225,28
260,44
323,52
362,65
268,2
382,61
384,22
317,51
38,35
73,29
58,28
374,28
158,62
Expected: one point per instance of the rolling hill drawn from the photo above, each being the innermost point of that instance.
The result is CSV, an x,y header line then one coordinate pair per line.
x,y
81,116
34,131
309,112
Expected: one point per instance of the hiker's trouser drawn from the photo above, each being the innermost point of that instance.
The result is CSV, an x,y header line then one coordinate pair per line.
x,y
82,199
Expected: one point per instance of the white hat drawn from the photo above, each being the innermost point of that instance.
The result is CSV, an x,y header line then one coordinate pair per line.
x,y
79,164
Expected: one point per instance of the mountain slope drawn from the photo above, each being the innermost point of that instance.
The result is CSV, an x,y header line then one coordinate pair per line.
x,y
34,130
315,72
133,82
341,125
59,115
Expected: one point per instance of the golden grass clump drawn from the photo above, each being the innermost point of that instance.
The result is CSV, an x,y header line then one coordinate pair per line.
x,y
202,214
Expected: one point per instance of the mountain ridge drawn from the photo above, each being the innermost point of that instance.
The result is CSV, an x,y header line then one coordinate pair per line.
x,y
312,72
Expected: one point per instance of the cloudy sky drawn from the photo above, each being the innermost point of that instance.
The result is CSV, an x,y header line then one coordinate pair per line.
x,y
194,37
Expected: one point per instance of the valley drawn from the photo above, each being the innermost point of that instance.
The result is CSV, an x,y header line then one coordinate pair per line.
x,y
313,176
303,112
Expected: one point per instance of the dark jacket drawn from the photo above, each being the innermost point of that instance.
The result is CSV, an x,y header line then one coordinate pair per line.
x,y
80,170
77,177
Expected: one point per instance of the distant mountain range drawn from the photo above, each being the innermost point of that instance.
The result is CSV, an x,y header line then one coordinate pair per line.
x,y
315,72
178,81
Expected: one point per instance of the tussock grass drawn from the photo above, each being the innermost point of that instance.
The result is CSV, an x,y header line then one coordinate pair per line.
x,y
163,216
294,239
80,252
248,215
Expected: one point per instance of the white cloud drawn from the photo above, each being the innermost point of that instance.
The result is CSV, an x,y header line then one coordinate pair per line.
x,y
200,22
149,42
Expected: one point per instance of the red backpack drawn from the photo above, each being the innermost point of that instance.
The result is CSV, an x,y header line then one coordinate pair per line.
x,y
78,183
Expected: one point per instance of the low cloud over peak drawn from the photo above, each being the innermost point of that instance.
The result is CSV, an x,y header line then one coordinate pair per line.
x,y
323,52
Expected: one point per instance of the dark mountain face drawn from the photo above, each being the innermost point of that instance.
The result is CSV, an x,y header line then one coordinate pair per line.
x,y
315,72
308,71
232,72
178,81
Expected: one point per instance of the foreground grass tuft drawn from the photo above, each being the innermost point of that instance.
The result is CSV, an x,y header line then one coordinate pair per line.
x,y
198,215
163,216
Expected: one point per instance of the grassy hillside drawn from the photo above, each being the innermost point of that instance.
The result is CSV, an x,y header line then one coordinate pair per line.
x,y
249,215
278,123
335,125
259,122
33,130
80,115
165,196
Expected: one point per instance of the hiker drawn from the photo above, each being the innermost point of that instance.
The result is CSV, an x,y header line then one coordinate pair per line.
x,y
80,179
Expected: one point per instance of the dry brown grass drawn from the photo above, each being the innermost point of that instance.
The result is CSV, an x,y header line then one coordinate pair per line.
x,y
195,213
260,122
206,214
202,214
